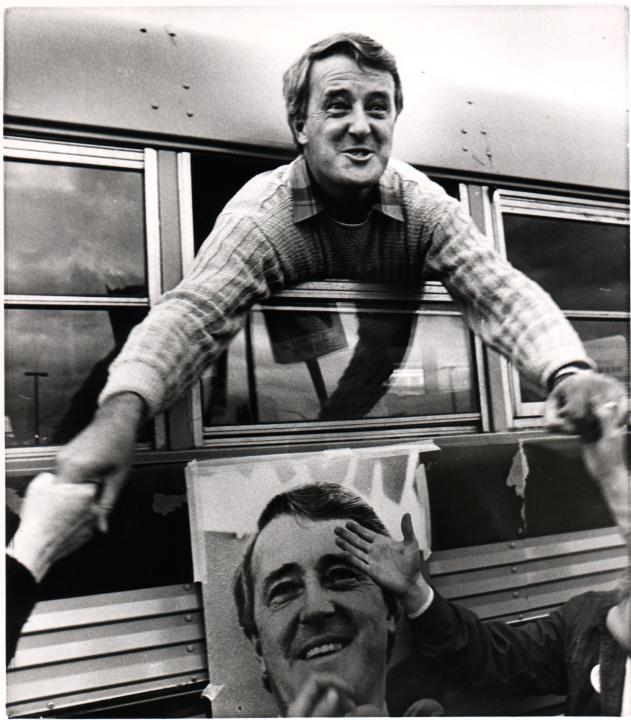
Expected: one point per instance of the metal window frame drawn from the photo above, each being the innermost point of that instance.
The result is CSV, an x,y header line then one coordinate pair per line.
x,y
529,414
142,159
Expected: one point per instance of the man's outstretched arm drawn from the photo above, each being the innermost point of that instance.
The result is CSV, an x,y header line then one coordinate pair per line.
x,y
184,332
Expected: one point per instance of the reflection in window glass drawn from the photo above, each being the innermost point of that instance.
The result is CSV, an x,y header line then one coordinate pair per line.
x,y
606,342
57,363
297,365
583,265
73,230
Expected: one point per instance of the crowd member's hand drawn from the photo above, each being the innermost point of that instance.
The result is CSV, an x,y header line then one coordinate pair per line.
x,y
393,565
323,695
606,461
102,452
56,518
572,404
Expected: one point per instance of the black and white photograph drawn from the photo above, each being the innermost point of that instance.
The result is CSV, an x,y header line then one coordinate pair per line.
x,y
317,367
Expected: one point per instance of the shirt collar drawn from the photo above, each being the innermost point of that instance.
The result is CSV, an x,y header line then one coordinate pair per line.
x,y
307,203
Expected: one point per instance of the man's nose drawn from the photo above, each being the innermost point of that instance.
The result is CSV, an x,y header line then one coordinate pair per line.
x,y
316,604
359,125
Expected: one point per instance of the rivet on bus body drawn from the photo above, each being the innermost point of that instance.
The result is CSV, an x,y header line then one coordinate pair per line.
x,y
465,150
188,618
187,587
464,132
186,86
194,678
50,705
189,648
513,569
516,593
511,544
155,106
189,114
143,30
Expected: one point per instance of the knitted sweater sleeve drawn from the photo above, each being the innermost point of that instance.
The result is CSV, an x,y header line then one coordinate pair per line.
x,y
193,323
506,309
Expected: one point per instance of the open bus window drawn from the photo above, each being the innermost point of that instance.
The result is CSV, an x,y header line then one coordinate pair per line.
x,y
76,281
341,363
329,363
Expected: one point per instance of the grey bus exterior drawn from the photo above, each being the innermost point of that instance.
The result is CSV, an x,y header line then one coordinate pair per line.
x,y
126,131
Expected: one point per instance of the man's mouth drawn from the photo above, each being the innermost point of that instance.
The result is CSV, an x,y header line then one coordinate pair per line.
x,y
321,649
359,153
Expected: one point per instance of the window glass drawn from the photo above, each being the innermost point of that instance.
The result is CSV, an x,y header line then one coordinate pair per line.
x,y
74,230
56,366
606,342
583,265
294,365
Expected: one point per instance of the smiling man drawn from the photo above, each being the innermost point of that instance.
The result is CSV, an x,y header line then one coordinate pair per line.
x,y
321,628
343,209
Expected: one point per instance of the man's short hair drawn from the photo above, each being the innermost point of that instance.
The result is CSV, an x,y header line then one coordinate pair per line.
x,y
365,51
317,501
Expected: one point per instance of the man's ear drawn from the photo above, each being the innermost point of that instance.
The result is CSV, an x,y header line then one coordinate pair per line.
x,y
298,126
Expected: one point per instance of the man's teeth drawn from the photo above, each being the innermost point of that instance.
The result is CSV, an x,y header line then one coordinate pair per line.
x,y
323,649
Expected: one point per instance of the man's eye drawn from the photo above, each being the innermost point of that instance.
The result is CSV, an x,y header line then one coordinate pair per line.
x,y
341,576
337,107
283,591
378,109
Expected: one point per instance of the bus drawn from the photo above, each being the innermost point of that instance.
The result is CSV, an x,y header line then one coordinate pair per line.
x,y
126,131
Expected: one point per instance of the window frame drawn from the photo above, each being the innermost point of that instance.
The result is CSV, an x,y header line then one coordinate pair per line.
x,y
144,160
563,207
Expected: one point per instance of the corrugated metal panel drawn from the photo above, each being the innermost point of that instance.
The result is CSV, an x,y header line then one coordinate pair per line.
x,y
90,649
523,580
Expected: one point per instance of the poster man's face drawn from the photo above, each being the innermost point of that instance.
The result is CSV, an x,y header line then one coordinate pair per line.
x,y
314,612
346,136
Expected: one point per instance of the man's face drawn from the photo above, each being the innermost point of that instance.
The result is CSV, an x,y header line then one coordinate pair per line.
x,y
347,134
314,612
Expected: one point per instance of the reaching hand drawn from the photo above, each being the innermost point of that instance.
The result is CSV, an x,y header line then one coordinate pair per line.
x,y
323,695
102,453
395,566
573,403
605,456
56,518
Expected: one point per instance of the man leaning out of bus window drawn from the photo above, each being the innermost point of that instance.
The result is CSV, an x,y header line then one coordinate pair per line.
x,y
581,650
343,209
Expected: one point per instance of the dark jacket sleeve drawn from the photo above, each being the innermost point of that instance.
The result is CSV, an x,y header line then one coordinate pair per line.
x,y
21,595
528,659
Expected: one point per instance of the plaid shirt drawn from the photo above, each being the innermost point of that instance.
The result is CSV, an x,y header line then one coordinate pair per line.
x,y
275,233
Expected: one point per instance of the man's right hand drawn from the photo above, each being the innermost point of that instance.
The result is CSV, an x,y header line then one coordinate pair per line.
x,y
102,452
393,565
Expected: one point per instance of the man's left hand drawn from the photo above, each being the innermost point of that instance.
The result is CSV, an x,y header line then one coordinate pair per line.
x,y
572,406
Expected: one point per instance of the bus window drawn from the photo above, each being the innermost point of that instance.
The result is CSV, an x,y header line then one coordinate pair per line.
x,y
578,251
342,363
76,281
